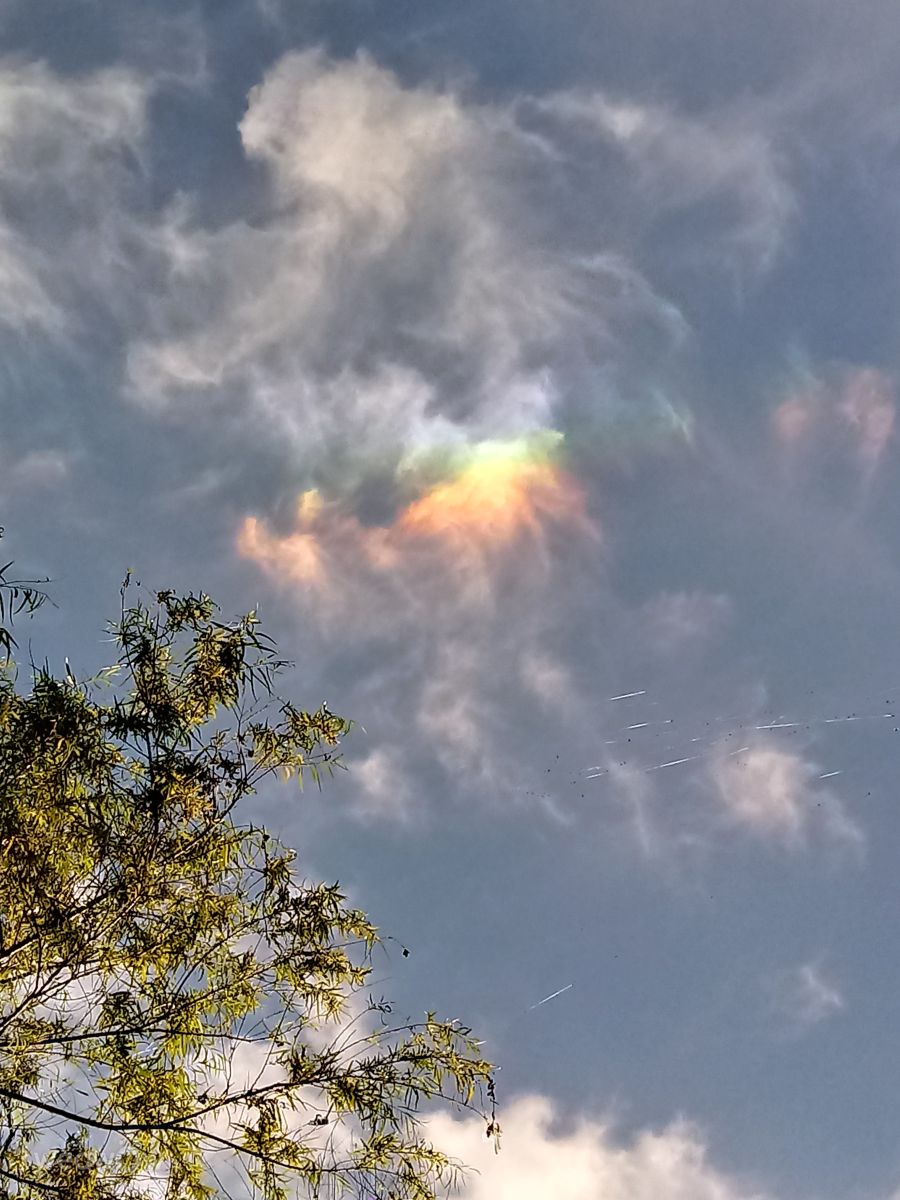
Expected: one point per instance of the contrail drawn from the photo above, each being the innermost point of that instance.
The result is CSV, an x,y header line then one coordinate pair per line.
x,y
627,696
830,774
676,762
552,996
826,721
872,717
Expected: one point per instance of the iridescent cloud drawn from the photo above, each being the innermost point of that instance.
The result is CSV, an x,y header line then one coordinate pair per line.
x,y
467,511
856,405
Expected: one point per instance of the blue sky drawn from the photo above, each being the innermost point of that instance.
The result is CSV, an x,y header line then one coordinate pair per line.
x,y
534,369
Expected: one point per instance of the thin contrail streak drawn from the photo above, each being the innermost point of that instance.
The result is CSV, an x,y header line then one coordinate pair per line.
x,y
676,762
827,721
871,717
627,696
552,996
596,772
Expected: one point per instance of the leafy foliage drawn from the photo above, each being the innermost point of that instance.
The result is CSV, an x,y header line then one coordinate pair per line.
x,y
179,1013
16,596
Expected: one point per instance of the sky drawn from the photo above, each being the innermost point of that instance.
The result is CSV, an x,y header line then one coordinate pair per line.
x,y
533,369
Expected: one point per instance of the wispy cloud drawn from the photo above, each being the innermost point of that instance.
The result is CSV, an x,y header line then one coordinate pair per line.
x,y
382,789
868,407
802,997
775,795
36,470
725,164
847,408
68,150
685,620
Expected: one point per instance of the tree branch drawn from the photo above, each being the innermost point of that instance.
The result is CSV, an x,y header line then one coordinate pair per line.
x,y
26,1182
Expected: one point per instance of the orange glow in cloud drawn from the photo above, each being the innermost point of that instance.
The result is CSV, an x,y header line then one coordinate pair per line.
x,y
298,553
501,498
304,555
493,502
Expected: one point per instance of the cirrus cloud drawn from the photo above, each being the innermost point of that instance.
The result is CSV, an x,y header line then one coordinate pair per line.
x,y
803,997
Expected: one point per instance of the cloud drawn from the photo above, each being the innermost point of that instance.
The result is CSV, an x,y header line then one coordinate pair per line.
x,y
849,408
679,799
636,796
382,790
404,339
541,1156
448,545
794,419
724,164
772,794
547,677
681,620
69,149
386,247
803,997
37,469
867,405
405,283
454,597
459,587
457,713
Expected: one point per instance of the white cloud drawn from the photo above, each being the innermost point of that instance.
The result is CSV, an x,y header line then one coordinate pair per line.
x,y
405,281
773,793
681,802
541,1157
381,787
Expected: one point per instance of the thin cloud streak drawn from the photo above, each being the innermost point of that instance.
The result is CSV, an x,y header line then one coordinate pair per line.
x,y
552,996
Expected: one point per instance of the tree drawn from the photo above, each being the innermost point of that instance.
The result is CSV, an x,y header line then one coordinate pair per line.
x,y
16,596
176,1005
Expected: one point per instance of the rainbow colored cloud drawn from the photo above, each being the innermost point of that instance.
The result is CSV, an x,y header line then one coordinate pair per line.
x,y
464,508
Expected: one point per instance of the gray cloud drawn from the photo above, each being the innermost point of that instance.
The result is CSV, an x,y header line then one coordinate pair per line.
x,y
70,154
725,166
